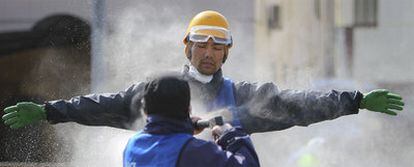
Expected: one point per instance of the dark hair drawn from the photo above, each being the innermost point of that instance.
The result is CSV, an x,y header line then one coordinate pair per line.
x,y
167,96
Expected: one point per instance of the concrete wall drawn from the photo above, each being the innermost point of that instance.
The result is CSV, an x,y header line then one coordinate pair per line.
x,y
22,14
384,54
300,51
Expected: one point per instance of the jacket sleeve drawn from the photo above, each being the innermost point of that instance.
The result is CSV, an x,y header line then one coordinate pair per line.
x,y
263,108
234,148
107,109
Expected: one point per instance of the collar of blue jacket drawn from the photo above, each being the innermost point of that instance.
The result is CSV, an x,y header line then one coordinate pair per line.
x,y
161,125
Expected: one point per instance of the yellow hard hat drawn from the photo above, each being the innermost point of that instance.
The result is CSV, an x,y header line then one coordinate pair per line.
x,y
210,24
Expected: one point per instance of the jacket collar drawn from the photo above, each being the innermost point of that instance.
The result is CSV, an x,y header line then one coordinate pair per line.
x,y
161,125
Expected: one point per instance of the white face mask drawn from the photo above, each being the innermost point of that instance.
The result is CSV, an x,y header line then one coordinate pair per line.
x,y
193,72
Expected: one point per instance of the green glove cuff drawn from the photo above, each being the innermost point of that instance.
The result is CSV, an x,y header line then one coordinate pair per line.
x,y
42,112
362,104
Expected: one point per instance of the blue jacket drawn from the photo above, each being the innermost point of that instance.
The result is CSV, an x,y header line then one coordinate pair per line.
x,y
168,142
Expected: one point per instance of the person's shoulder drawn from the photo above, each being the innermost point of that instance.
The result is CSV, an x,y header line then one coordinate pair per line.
x,y
133,140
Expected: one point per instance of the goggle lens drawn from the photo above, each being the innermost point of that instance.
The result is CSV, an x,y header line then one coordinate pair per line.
x,y
205,38
204,33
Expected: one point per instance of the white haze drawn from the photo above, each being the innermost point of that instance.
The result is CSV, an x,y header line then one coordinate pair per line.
x,y
139,46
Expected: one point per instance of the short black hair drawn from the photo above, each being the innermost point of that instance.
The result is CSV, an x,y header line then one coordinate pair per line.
x,y
168,96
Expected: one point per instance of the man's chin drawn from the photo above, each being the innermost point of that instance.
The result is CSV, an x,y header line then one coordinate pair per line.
x,y
207,71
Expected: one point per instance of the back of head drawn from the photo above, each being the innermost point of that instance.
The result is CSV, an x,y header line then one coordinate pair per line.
x,y
167,96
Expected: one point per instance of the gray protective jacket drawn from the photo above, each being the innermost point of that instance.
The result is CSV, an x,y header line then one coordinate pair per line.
x,y
260,108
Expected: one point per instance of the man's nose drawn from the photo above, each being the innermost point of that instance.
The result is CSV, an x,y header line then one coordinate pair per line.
x,y
208,52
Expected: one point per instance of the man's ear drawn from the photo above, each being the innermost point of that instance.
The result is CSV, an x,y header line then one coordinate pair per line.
x,y
226,53
187,50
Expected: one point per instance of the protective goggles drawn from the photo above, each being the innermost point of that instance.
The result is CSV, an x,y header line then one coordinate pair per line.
x,y
204,33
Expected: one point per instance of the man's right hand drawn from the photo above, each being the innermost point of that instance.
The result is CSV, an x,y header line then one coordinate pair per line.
x,y
220,130
22,114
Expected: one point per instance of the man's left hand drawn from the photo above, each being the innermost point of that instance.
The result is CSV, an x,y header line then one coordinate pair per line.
x,y
218,131
383,101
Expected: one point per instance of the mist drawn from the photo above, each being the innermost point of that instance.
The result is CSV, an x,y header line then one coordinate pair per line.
x,y
142,41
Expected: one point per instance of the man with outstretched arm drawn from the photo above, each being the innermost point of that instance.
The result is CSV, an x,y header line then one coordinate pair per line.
x,y
256,108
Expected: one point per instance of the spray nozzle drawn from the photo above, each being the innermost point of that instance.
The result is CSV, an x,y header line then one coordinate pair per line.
x,y
210,123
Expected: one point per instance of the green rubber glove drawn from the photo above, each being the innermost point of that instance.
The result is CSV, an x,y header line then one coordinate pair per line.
x,y
383,101
22,114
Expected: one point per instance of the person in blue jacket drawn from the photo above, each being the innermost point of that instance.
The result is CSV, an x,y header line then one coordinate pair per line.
x,y
167,139
255,107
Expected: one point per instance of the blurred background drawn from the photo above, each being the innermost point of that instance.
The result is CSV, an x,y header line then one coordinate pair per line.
x,y
56,49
